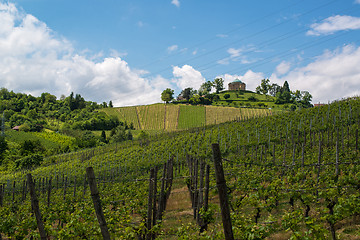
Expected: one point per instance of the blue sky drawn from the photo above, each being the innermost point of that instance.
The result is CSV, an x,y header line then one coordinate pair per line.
x,y
129,51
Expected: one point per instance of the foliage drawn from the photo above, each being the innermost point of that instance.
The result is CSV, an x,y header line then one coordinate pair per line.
x,y
29,161
264,87
187,93
167,95
120,134
3,147
87,140
218,84
29,147
252,99
205,88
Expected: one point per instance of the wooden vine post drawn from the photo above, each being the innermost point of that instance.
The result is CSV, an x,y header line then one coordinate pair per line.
x,y
150,203
221,186
97,203
35,207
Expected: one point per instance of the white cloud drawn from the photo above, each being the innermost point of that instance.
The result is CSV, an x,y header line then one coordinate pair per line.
x,y
222,35
172,48
250,78
357,1
334,75
33,60
187,76
236,55
234,52
283,68
176,3
333,24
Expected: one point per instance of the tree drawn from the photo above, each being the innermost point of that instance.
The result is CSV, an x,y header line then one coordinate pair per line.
x,y
264,87
29,147
187,93
103,136
286,87
302,98
111,104
284,95
218,84
167,95
274,89
205,88
196,99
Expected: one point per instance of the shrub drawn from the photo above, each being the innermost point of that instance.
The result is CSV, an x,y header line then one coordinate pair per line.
x,y
29,161
252,99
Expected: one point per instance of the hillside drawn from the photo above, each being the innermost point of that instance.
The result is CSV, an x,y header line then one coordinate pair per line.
x,y
288,175
243,98
171,117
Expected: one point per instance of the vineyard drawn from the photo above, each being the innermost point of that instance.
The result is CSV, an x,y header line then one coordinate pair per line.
x,y
293,175
172,117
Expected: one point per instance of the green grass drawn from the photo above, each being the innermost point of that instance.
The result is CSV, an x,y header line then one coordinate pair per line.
x,y
49,140
241,99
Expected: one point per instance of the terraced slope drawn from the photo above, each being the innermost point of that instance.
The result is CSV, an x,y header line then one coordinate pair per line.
x,y
172,117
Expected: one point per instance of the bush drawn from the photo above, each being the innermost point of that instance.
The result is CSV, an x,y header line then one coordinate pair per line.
x,y
226,95
252,99
29,161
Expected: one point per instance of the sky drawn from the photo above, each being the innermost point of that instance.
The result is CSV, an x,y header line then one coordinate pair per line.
x,y
130,51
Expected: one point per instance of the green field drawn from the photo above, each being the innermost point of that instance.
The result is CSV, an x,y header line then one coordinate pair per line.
x,y
171,117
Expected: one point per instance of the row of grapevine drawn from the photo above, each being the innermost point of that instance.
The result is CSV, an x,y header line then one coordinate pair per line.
x,y
290,174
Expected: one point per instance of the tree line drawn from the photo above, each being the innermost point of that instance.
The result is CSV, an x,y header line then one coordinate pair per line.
x,y
201,96
205,96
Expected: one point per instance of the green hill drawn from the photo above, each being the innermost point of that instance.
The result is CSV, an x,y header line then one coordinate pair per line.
x,y
247,99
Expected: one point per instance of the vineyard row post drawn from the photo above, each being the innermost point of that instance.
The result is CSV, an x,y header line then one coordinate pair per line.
x,y
222,189
35,207
97,203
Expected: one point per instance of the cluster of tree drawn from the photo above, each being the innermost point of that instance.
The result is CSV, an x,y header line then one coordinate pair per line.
x,y
201,96
284,95
34,113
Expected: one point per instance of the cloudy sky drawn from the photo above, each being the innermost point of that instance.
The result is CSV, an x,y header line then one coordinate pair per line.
x,y
129,51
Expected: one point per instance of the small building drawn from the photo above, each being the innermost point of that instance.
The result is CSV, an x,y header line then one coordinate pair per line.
x,y
237,85
16,128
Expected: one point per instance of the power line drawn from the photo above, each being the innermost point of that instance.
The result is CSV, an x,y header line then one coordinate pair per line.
x,y
287,53
226,33
250,36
